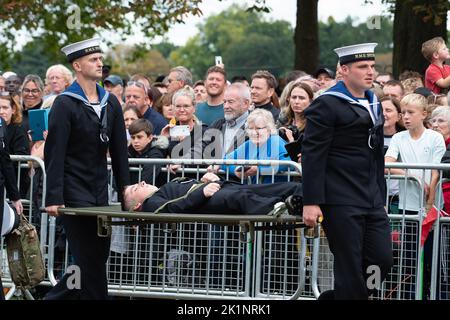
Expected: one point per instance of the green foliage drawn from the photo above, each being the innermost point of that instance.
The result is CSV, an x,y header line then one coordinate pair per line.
x,y
32,60
333,35
245,41
151,62
57,23
165,48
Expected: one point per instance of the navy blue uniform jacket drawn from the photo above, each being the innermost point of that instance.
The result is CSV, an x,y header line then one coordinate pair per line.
x,y
75,157
338,165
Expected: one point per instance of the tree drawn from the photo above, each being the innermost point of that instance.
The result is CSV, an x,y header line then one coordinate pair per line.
x,y
125,63
334,34
56,23
307,36
164,47
416,21
245,41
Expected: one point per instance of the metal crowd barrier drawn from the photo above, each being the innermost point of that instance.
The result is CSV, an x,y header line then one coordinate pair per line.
x,y
200,256
34,168
406,280
208,260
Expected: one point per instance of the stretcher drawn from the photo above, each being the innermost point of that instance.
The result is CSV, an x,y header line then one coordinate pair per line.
x,y
247,223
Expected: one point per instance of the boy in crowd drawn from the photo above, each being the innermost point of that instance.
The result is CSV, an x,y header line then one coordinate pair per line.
x,y
437,75
144,145
415,145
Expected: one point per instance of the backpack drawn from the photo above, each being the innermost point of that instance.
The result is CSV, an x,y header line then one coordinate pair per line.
x,y
25,262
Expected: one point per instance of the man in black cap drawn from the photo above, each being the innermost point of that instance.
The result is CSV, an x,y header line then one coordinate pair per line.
x,y
343,176
325,77
114,84
85,122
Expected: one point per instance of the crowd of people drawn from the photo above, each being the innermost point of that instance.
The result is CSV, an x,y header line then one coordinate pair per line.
x,y
220,118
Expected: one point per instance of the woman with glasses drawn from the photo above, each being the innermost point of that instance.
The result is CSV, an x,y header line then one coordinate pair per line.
x,y
185,144
32,96
264,143
440,122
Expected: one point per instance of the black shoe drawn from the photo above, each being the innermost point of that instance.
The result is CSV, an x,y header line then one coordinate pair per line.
x,y
294,205
327,295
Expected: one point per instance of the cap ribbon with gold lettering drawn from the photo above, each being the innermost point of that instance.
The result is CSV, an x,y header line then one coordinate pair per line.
x,y
357,52
82,48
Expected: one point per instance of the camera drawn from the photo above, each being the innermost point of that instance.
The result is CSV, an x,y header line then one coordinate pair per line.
x,y
295,132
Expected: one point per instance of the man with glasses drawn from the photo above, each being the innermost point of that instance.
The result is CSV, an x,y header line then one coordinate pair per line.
x,y
136,95
178,78
343,175
85,123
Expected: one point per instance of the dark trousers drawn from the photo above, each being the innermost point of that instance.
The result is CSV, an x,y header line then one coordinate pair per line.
x,y
234,198
358,238
90,254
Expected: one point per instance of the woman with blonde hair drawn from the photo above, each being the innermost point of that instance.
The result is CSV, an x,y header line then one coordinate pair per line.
x,y
188,145
59,78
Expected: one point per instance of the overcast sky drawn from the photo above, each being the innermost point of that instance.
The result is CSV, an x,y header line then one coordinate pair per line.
x,y
281,10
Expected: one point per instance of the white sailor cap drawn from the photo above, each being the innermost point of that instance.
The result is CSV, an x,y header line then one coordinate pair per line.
x,y
82,48
357,52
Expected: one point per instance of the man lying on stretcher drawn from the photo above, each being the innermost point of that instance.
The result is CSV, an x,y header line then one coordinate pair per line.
x,y
214,196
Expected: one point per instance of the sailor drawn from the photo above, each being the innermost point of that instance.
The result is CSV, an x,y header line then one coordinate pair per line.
x,y
211,195
85,123
343,175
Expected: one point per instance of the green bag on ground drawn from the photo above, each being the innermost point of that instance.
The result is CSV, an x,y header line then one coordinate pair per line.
x,y
26,265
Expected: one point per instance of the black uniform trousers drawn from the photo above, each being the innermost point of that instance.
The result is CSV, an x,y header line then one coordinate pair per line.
x,y
90,254
235,198
358,238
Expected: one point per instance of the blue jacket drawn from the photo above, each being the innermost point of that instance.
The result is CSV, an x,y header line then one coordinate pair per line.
x,y
273,149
